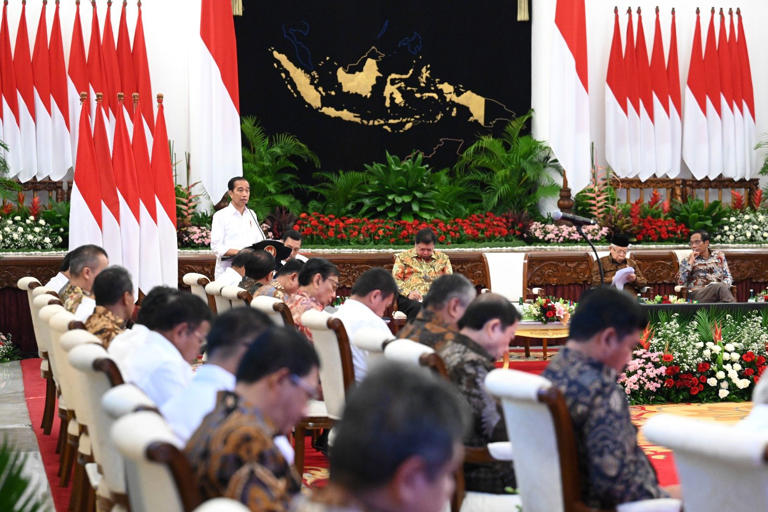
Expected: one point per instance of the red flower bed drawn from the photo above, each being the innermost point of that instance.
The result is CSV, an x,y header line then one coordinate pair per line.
x,y
661,230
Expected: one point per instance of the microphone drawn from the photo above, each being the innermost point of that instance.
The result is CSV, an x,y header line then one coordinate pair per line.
x,y
576,219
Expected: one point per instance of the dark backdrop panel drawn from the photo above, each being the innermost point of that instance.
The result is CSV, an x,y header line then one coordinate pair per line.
x,y
473,45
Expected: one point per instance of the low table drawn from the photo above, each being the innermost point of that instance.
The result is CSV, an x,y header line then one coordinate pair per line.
x,y
538,330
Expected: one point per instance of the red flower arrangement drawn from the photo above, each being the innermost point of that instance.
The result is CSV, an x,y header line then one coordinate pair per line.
x,y
660,230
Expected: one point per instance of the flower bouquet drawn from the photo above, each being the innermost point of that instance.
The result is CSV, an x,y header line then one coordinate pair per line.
x,y
8,351
546,310
665,299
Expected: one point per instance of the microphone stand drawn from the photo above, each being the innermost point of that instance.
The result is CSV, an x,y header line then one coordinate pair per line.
x,y
579,229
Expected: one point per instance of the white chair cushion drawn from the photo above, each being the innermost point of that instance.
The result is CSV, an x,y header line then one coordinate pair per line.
x,y
222,505
406,351
193,278
485,502
230,292
316,408
661,505
370,339
506,273
501,450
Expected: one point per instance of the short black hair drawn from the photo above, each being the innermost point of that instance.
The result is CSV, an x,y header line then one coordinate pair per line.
x,y
181,308
276,348
65,262
446,287
290,267
110,285
235,327
704,234
242,257
397,412
84,256
292,234
259,265
487,307
425,236
232,181
604,307
374,279
153,302
314,266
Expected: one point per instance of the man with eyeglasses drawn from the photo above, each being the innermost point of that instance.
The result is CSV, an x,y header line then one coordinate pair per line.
x,y
618,260
233,452
705,272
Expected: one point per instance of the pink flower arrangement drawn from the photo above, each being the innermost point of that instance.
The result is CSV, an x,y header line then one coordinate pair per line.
x,y
552,233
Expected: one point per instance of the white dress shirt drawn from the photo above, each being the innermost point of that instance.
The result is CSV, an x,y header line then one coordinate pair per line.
x,y
232,230
158,369
57,282
123,345
186,410
85,308
230,277
355,315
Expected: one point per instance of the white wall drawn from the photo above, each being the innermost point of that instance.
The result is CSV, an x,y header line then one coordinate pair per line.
x,y
168,27
600,19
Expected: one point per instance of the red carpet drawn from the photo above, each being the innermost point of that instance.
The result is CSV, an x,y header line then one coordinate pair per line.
x,y
34,392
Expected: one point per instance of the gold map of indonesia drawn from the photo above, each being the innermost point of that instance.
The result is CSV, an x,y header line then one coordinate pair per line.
x,y
373,92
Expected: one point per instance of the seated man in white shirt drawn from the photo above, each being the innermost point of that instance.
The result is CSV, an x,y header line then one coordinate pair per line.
x,y
370,296
124,344
235,226
233,274
230,336
292,240
86,262
61,279
161,367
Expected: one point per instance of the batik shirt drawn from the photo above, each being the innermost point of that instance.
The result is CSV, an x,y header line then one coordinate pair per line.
x,y
274,289
299,303
250,285
104,325
613,467
72,296
426,330
412,273
468,364
705,271
233,455
328,499
610,267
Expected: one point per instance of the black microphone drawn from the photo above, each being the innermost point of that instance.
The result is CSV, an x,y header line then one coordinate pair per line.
x,y
576,219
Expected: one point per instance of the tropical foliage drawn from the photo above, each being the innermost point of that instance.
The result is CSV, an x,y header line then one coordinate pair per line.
x,y
16,491
696,215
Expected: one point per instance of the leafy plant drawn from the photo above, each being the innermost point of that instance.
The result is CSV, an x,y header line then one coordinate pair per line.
x,y
186,204
8,187
265,160
696,215
16,490
514,170
336,191
280,221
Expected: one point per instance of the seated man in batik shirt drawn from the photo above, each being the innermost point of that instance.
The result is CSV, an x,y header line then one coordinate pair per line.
x,y
318,281
233,452
618,260
416,269
705,273
604,331
487,327
258,271
113,291
85,263
285,282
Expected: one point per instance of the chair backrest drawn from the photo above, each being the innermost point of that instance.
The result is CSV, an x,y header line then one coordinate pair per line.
x,y
28,284
213,289
539,427
69,341
236,296
274,308
718,465
158,473
196,283
336,371
222,505
406,351
98,374
506,273
372,341
59,324
45,313
125,399
41,327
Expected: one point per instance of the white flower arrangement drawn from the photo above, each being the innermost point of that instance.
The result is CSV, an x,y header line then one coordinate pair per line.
x,y
28,234
750,227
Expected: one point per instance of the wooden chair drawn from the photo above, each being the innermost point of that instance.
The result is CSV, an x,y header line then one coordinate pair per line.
x,y
236,296
197,283
336,375
506,274
218,303
277,310
42,335
372,341
717,463
540,428
158,474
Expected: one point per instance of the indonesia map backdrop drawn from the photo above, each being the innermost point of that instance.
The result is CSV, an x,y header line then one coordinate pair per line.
x,y
352,79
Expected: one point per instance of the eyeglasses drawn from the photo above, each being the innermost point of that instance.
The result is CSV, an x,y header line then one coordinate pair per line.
x,y
696,242
197,334
311,391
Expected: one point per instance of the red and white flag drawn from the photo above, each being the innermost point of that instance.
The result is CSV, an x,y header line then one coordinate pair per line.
x,y
726,103
748,100
110,203
646,142
695,127
661,116
675,103
214,102
165,194
736,103
616,121
77,78
42,90
633,98
110,67
61,141
96,80
85,202
149,275
124,167
11,131
25,85
125,58
143,81
714,102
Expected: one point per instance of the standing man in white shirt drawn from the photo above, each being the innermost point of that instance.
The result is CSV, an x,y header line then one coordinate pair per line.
x,y
235,226
161,366
372,293
230,336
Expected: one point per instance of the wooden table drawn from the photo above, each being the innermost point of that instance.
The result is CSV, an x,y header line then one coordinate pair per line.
x,y
538,330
